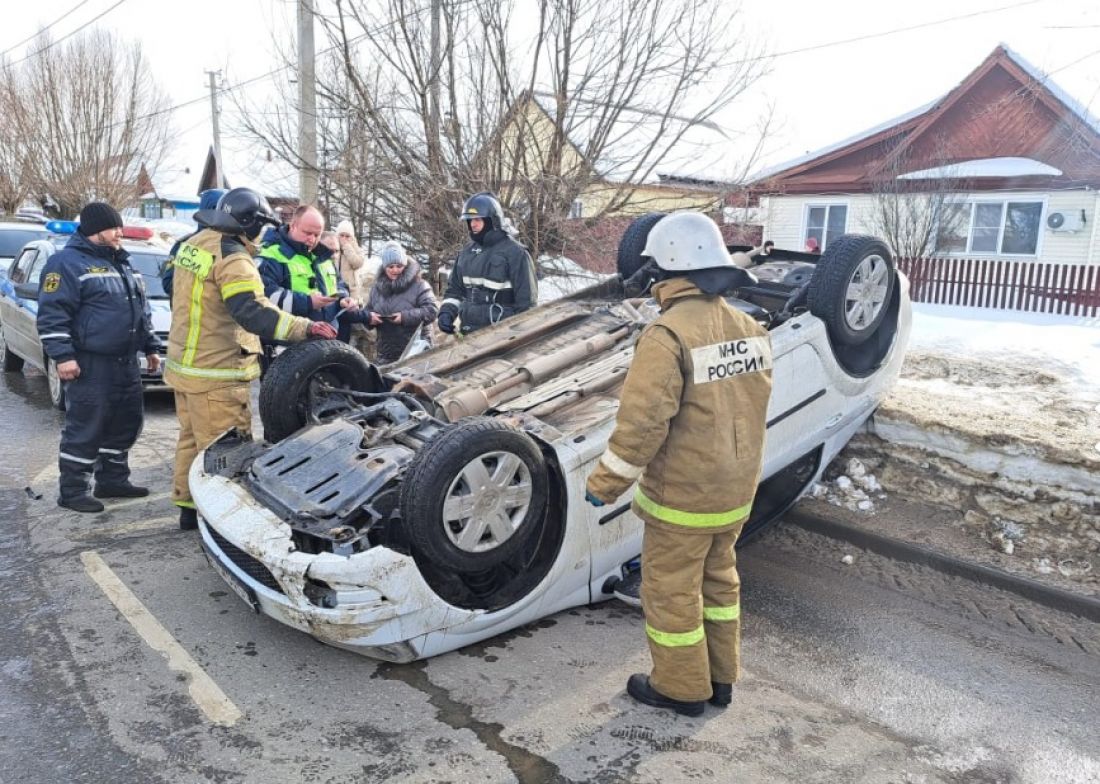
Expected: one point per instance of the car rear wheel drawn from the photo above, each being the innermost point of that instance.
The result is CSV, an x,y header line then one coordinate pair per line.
x,y
630,258
475,496
56,385
296,390
851,288
11,362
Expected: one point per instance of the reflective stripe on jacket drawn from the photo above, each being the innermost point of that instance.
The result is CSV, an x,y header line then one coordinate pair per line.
x,y
692,417
491,282
218,309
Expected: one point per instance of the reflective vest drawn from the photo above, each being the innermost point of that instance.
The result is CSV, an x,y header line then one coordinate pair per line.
x,y
303,279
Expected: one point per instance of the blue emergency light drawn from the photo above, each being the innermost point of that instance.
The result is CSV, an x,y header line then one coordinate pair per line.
x,y
62,227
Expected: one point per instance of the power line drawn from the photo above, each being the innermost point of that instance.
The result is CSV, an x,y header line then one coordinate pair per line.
x,y
884,33
56,41
44,29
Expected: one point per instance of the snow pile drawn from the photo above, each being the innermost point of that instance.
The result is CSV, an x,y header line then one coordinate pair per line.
x,y
560,276
854,489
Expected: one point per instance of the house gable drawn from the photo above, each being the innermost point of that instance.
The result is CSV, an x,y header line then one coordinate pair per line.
x,y
1003,109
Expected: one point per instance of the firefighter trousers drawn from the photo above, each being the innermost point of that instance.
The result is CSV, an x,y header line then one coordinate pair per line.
x,y
691,599
104,413
203,417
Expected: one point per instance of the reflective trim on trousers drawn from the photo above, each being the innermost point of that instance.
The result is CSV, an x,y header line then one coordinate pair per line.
x,y
691,519
675,639
185,504
75,459
730,612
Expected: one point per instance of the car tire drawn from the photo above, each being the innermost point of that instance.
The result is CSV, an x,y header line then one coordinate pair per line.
x,y
630,259
289,399
478,472
851,288
12,363
55,385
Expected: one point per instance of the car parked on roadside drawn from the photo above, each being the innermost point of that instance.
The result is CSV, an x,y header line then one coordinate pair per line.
x,y
405,511
19,341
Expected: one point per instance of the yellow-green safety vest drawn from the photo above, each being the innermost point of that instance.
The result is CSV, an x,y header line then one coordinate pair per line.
x,y
302,278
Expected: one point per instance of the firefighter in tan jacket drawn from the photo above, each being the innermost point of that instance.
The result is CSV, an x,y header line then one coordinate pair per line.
x,y
690,430
218,310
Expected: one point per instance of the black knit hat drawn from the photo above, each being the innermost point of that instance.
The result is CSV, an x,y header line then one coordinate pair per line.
x,y
98,216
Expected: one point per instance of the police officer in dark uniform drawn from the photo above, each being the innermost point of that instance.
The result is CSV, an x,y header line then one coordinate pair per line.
x,y
493,277
93,319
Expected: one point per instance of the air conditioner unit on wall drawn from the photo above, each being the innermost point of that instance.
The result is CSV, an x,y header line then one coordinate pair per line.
x,y
1070,220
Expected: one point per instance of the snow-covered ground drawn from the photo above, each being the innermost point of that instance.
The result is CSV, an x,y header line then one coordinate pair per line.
x,y
997,418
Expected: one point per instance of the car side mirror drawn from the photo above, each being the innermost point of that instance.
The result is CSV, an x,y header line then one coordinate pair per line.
x,y
27,291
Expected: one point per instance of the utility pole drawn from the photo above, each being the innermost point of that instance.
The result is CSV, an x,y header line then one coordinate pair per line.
x,y
218,171
307,106
433,87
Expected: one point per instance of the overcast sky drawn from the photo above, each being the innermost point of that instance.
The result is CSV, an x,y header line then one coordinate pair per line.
x,y
824,85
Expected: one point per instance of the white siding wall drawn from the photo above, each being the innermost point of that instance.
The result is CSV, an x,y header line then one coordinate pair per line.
x,y
784,219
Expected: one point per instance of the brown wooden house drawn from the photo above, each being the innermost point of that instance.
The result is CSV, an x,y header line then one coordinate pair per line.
x,y
1017,158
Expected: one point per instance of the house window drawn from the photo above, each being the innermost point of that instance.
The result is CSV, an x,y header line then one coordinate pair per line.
x,y
151,210
824,223
576,209
1006,228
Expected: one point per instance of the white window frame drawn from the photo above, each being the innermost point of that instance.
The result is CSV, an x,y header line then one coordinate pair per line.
x,y
576,209
828,205
973,204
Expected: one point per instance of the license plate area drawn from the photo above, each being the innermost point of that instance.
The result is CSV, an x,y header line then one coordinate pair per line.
x,y
247,595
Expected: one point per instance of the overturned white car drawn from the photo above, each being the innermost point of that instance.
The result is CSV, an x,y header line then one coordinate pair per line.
x,y
439,501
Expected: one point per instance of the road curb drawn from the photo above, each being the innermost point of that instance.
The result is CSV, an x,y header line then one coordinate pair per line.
x,y
1032,590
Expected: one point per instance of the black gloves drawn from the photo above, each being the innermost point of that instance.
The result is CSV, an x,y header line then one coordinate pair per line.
x,y
447,315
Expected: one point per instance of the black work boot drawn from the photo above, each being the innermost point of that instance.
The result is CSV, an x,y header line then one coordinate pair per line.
x,y
124,490
80,503
639,687
189,518
721,694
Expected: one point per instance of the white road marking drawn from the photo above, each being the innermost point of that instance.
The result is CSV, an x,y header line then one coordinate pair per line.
x,y
206,694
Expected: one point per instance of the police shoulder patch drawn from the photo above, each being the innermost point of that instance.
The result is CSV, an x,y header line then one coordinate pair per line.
x,y
52,282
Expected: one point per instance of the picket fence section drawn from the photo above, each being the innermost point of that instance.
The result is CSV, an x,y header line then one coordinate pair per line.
x,y
1032,286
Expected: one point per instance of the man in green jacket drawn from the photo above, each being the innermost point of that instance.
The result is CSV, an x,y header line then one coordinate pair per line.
x,y
690,430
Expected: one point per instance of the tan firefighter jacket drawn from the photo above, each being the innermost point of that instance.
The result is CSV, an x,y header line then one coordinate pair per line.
x,y
692,417
218,310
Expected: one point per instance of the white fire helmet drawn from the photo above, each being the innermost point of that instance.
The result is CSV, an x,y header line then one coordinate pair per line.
x,y
687,241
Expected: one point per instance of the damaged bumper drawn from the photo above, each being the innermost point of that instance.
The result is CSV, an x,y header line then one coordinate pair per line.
x,y
374,602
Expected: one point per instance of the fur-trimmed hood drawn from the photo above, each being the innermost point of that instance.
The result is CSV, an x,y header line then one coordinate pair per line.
x,y
390,288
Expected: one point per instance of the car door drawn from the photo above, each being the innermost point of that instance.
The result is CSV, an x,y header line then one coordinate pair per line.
x,y
31,263
19,311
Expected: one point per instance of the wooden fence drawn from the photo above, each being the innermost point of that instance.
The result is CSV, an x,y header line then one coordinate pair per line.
x,y
1033,286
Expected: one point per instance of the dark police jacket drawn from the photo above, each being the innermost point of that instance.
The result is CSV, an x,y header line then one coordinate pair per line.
x,y
491,282
91,300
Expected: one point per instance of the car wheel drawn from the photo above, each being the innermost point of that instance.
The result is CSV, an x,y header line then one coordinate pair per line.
x,y
851,287
474,496
11,362
630,258
56,385
293,394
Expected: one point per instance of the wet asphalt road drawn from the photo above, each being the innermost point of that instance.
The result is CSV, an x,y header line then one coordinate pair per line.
x,y
866,673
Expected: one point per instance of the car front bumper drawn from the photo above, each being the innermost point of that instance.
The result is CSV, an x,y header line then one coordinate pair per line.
x,y
384,609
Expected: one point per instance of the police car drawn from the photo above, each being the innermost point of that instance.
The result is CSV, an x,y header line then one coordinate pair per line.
x,y
408,510
14,234
19,342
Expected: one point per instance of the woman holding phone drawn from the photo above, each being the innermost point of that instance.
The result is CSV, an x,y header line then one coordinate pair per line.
x,y
400,303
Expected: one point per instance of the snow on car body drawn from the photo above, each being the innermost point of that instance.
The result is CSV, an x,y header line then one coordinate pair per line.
x,y
441,502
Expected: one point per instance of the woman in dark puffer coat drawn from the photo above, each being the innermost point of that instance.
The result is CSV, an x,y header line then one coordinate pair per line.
x,y
400,303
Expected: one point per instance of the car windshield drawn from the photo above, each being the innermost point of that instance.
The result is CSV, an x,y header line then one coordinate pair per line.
x,y
11,240
149,264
